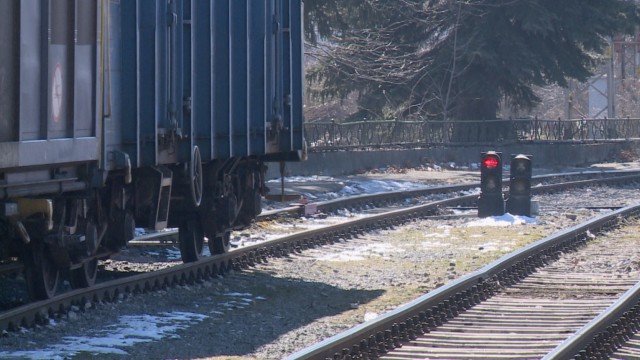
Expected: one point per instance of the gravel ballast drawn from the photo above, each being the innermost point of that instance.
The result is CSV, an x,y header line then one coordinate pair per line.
x,y
280,307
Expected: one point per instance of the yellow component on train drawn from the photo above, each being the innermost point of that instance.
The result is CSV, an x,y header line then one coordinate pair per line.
x,y
28,207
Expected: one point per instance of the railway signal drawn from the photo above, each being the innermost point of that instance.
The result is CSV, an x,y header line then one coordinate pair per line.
x,y
519,200
491,201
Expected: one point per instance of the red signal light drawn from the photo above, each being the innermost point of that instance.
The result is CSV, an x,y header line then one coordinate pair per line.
x,y
490,162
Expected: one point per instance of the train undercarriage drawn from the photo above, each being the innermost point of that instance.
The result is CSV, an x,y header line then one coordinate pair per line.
x,y
67,234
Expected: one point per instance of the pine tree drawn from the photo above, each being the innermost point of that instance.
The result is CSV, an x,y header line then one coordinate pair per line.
x,y
457,59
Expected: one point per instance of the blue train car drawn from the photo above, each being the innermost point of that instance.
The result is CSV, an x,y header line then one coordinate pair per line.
x,y
140,113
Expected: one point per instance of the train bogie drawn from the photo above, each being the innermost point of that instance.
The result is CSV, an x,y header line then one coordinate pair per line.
x,y
117,115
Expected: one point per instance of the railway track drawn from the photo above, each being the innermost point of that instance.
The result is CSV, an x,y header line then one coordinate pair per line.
x,y
551,182
211,267
520,307
529,319
613,334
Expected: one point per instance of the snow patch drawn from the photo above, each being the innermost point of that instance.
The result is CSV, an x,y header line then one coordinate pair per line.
x,y
359,254
503,220
127,332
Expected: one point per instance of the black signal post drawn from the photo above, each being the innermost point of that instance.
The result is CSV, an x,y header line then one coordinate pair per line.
x,y
519,200
491,201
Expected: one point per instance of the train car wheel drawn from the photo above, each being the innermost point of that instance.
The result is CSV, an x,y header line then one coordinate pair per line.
x,y
42,274
195,177
85,276
220,244
191,239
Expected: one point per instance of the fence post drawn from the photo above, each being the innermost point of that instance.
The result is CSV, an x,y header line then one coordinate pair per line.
x,y
333,132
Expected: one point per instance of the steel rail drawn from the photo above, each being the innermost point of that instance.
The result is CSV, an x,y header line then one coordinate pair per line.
x,y
389,330
209,267
365,199
623,175
605,333
244,257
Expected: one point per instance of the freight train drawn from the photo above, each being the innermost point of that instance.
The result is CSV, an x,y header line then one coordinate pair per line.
x,y
139,113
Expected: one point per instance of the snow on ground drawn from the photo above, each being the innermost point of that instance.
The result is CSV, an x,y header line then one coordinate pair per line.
x,y
344,187
361,253
243,239
128,331
504,220
377,186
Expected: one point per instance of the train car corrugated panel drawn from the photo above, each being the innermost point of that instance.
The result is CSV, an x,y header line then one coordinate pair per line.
x,y
9,16
285,134
60,66
151,82
31,111
52,101
296,89
258,63
201,99
221,102
252,105
187,84
72,68
84,62
240,74
211,74
291,53
125,99
116,125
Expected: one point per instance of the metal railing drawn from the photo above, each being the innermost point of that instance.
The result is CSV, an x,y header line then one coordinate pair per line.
x,y
331,135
